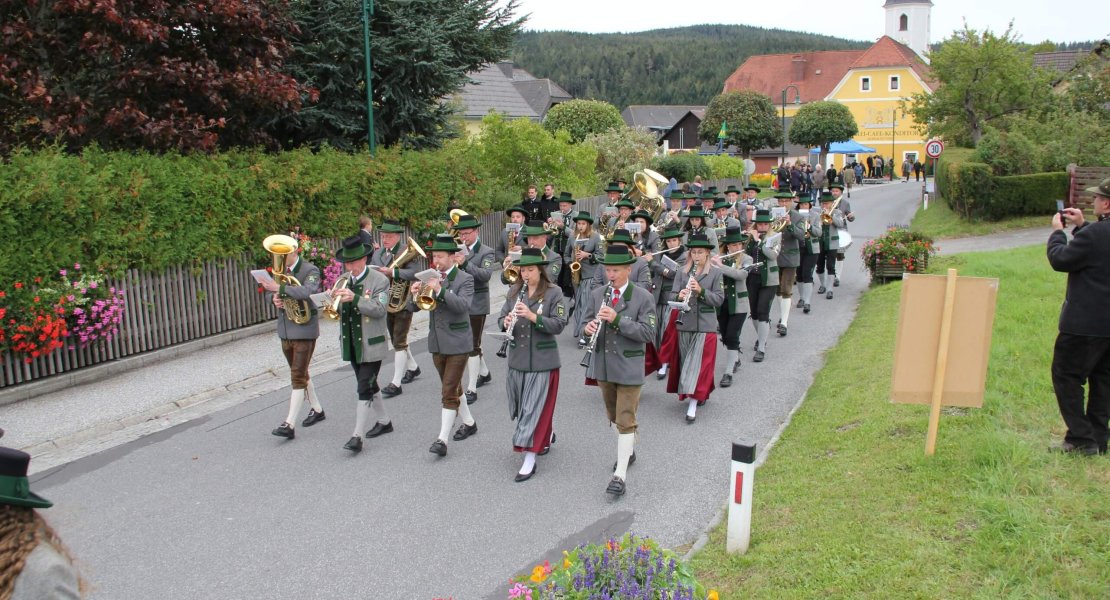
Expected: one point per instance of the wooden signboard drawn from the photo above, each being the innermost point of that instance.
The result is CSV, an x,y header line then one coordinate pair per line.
x,y
943,343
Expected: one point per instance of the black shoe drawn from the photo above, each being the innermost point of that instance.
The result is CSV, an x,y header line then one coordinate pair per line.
x,y
690,419
1070,448
464,431
726,380
284,430
616,486
736,366
631,460
836,282
484,379
354,444
438,447
380,429
547,448
829,295
800,303
758,356
821,290
410,375
525,476
782,330
806,309
391,390
471,397
313,418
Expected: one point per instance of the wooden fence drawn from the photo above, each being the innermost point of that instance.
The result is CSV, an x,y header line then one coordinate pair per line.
x,y
1080,179
181,304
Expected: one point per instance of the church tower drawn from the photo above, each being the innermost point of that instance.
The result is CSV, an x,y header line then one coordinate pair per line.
x,y
907,21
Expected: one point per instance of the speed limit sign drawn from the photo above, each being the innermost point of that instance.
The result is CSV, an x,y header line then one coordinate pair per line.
x,y
933,148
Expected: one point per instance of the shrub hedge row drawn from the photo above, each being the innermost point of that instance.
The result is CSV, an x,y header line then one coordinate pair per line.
x,y
972,190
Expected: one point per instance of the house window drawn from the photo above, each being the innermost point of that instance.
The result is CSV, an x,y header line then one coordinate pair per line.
x,y
903,23
895,83
865,84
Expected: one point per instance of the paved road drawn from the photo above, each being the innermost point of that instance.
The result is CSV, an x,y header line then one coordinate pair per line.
x,y
218,508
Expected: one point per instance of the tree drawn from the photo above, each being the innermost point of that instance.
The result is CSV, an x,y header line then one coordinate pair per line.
x,y
421,52
622,150
519,153
143,74
982,78
752,122
822,123
580,118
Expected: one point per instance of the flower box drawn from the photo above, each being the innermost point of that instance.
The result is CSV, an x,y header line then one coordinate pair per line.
x,y
897,251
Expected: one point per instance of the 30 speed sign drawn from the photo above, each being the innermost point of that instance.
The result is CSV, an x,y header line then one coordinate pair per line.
x,y
933,148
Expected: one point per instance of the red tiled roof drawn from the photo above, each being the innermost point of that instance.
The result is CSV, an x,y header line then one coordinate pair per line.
x,y
888,52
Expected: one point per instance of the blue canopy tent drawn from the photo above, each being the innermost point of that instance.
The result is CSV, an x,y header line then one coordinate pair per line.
x,y
849,147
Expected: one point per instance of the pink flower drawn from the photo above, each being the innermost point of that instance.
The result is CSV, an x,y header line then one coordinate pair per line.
x,y
62,272
77,266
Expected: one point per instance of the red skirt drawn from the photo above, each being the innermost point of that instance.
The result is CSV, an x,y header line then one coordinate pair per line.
x,y
541,437
668,346
706,371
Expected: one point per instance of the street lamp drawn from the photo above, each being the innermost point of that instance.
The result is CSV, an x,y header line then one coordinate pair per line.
x,y
367,10
797,100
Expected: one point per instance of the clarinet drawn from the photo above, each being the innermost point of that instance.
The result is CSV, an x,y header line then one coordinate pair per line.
x,y
504,350
689,289
593,338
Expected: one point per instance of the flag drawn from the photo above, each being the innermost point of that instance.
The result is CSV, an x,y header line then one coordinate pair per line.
x,y
724,130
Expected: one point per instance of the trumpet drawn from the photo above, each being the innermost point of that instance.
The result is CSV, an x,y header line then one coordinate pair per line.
x,y
422,298
504,350
827,215
597,320
331,309
511,273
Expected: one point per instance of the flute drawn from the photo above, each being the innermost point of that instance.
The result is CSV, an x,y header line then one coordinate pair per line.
x,y
504,350
597,322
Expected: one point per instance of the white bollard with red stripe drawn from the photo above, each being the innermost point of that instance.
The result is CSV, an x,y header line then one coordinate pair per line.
x,y
740,498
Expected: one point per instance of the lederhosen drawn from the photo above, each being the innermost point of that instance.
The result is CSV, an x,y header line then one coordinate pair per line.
x,y
760,295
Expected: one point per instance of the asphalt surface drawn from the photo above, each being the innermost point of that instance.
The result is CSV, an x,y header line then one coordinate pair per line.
x,y
216,507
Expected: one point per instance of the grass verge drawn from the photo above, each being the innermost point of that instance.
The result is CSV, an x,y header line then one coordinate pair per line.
x,y
941,222
847,505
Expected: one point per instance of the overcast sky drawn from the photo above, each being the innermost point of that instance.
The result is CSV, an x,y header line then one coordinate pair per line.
x,y
1062,21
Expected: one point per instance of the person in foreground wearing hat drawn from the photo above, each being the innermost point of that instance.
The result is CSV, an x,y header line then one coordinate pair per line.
x,y
449,337
763,279
362,331
662,289
734,310
694,360
298,341
845,207
517,216
810,249
623,323
696,225
1082,352
479,262
34,564
586,249
790,256
830,243
405,369
533,314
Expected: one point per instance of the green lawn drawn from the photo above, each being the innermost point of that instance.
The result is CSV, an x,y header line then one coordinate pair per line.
x,y
848,506
940,222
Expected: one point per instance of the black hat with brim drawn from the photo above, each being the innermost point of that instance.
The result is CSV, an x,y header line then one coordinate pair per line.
x,y
584,216
752,187
618,255
352,249
567,197
620,236
625,204
613,187
444,243
391,226
533,228
827,197
643,215
735,235
699,240
531,257
15,489
763,216
839,186
518,209
718,205
732,189
468,222
695,211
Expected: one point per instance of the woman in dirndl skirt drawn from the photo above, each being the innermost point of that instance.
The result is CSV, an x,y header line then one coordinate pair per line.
x,y
693,362
661,287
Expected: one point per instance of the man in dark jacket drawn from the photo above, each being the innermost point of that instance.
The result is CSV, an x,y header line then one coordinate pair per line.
x,y
1082,352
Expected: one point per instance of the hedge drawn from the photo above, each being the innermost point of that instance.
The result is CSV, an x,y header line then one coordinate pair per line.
x,y
972,190
119,210
682,166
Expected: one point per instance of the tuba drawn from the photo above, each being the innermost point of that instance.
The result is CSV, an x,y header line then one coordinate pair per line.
x,y
456,214
398,289
645,193
331,309
280,246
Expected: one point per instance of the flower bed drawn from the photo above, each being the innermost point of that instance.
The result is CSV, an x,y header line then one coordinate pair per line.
x,y
632,567
897,251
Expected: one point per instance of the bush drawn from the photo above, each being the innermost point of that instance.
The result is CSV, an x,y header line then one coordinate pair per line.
x,y
723,166
1008,153
580,118
974,192
683,166
621,151
1034,194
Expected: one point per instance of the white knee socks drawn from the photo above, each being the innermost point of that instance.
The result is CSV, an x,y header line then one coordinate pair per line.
x,y
313,401
296,401
473,364
824,279
625,444
806,290
484,370
410,364
464,411
398,366
378,404
733,356
762,328
784,310
446,420
529,463
362,414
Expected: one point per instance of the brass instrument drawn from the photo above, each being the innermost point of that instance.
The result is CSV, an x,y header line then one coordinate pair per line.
x,y
827,215
645,193
511,273
456,214
281,246
780,225
576,267
399,289
331,309
423,299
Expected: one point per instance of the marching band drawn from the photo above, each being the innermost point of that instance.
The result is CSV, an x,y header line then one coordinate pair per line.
x,y
652,292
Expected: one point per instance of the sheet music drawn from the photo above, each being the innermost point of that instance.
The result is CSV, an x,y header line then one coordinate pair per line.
x,y
668,263
778,212
261,275
429,275
633,228
321,299
512,227
679,306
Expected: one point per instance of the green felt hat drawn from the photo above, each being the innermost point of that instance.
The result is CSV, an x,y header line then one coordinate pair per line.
x,y
699,240
352,249
531,257
620,236
444,243
839,186
672,231
518,209
827,197
391,226
468,222
705,195
1102,189
584,216
533,228
613,187
753,187
719,204
643,215
803,199
735,235
15,490
695,211
618,255
763,216
625,204
732,189
712,190
784,195
567,197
